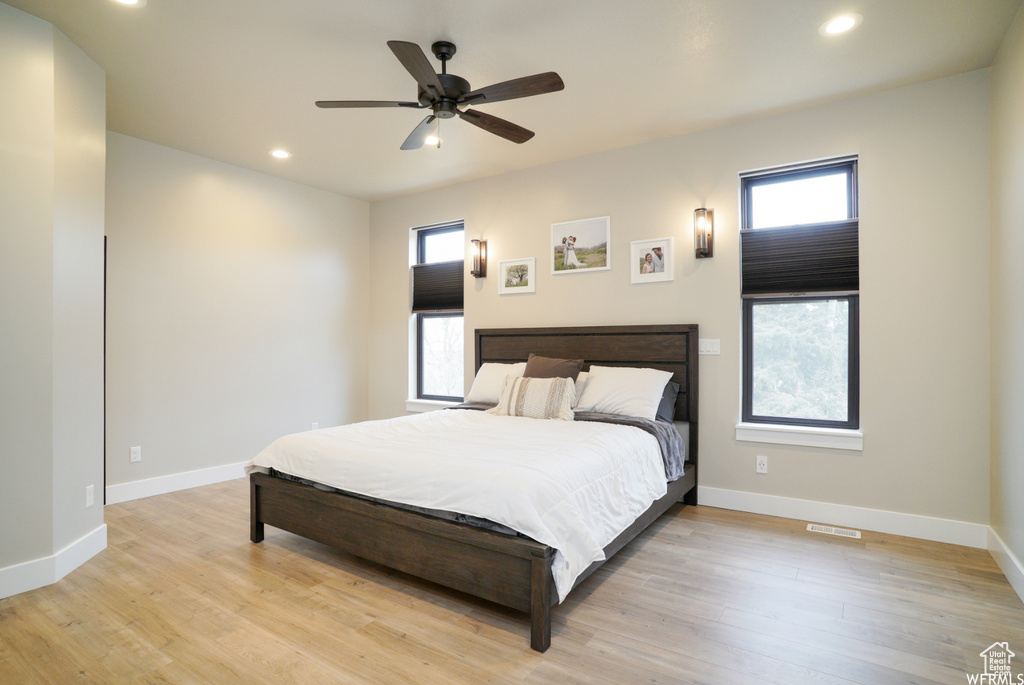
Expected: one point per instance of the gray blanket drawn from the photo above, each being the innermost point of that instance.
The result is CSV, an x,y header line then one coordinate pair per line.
x,y
673,447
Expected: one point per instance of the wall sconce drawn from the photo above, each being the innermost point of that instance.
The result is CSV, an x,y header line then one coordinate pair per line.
x,y
704,232
479,269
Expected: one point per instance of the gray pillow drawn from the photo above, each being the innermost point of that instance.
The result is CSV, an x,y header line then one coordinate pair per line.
x,y
667,407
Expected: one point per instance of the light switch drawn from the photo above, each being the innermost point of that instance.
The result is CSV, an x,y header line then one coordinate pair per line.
x,y
709,346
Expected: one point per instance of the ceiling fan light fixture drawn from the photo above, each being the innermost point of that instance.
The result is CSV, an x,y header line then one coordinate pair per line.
x,y
131,3
434,139
840,24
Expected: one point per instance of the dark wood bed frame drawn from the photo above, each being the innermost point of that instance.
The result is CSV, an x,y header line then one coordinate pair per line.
x,y
512,571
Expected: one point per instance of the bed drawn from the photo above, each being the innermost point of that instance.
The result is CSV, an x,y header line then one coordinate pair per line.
x,y
513,571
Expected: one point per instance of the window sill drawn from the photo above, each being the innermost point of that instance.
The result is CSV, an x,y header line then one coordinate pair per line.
x,y
802,436
427,405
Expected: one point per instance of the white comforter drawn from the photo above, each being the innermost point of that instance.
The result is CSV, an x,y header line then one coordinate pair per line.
x,y
571,485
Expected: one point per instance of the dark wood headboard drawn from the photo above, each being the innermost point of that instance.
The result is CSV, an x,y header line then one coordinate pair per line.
x,y
669,347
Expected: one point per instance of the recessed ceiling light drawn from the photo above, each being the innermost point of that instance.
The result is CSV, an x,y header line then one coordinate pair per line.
x,y
131,3
280,154
431,140
840,24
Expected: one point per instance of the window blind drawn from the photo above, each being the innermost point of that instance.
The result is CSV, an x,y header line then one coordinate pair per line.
x,y
437,287
800,259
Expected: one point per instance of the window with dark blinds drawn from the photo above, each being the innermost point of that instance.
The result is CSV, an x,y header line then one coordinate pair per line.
x,y
437,286
800,269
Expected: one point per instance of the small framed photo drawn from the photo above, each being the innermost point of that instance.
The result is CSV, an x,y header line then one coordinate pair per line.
x,y
578,246
516,276
650,261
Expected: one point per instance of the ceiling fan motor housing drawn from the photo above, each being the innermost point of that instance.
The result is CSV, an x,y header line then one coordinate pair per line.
x,y
454,88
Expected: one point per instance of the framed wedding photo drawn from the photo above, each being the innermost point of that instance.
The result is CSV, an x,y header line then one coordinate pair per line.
x,y
650,261
578,246
516,276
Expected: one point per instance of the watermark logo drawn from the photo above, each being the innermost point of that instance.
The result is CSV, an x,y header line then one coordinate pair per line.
x,y
997,658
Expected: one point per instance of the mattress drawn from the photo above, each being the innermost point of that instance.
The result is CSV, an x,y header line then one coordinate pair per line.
x,y
572,485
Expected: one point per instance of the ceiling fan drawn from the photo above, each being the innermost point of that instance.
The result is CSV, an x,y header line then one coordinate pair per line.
x,y
445,93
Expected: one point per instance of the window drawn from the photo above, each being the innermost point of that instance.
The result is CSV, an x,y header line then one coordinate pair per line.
x,y
437,306
800,270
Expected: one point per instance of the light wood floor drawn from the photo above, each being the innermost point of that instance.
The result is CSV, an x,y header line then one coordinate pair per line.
x,y
704,596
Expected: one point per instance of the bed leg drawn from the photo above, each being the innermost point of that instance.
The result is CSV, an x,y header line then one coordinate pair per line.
x,y
690,498
540,603
255,525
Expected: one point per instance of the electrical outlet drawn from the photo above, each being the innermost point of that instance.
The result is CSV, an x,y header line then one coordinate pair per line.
x,y
315,425
135,454
762,464
90,497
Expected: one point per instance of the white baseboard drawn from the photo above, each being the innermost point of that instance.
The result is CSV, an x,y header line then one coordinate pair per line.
x,y
1008,562
878,520
124,492
34,574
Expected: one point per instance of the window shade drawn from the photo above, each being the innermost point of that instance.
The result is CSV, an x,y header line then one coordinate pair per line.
x,y
800,259
437,287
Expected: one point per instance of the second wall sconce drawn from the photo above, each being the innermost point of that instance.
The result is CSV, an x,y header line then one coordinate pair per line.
x,y
704,232
479,269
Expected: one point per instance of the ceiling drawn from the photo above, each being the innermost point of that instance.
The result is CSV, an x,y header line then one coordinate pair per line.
x,y
233,79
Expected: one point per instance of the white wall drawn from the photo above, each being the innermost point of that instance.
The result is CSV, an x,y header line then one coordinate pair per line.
x,y
51,300
236,310
1008,294
26,285
924,178
81,122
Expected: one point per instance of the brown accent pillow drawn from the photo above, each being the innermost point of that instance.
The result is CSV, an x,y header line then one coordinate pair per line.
x,y
549,367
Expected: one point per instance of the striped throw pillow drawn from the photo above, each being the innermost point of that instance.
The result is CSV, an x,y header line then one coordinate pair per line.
x,y
537,398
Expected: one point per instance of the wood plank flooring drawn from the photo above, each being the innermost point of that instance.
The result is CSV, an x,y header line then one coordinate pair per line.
x,y
704,596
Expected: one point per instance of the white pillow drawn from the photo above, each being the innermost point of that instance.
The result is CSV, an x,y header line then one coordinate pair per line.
x,y
537,398
623,390
489,379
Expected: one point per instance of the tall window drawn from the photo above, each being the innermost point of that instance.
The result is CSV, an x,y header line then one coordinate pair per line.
x,y
437,306
800,267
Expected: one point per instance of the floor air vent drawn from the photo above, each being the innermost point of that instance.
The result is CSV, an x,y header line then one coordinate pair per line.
x,y
830,530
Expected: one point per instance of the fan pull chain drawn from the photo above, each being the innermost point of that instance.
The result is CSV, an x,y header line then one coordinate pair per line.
x,y
439,133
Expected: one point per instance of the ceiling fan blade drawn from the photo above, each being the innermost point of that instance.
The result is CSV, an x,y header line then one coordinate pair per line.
x,y
419,134
499,127
328,104
538,84
417,64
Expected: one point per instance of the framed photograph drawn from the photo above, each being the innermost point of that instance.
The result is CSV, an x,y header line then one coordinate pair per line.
x,y
650,261
516,276
578,246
